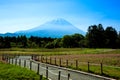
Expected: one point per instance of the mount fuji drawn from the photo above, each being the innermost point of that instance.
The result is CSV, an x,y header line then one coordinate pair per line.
x,y
56,29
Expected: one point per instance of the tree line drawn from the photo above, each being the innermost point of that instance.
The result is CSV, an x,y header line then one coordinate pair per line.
x,y
96,37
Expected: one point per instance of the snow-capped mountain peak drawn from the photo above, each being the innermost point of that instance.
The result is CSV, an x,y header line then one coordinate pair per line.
x,y
55,28
59,21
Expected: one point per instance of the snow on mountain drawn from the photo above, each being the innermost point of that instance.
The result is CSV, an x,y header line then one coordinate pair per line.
x,y
56,29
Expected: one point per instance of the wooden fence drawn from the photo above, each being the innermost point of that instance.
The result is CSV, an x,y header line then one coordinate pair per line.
x,y
67,63
75,64
23,63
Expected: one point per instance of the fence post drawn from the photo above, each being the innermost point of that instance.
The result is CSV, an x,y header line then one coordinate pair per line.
x,y
66,63
41,76
2,57
55,61
7,57
101,65
47,72
46,59
38,68
15,61
60,62
19,62
9,60
50,60
88,66
68,76
38,57
30,65
32,56
24,63
59,75
76,64
12,60
41,58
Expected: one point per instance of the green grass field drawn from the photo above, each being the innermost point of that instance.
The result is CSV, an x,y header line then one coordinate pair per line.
x,y
56,51
109,57
12,72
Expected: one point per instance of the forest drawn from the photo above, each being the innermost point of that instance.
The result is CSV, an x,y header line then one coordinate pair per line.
x,y
96,37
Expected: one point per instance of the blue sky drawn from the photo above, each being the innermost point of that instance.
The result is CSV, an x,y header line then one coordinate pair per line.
x,y
18,15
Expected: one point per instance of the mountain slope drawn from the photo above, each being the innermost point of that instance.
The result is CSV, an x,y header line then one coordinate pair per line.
x,y
55,29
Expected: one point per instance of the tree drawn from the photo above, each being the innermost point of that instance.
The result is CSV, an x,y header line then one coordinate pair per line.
x,y
67,41
91,36
76,40
13,41
22,41
72,41
118,40
57,43
7,42
101,36
1,42
111,37
95,36
49,45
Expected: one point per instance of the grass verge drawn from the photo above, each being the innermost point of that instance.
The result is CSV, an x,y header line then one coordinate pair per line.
x,y
12,72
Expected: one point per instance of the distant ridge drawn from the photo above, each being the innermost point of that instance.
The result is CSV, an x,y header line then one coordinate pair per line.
x,y
56,29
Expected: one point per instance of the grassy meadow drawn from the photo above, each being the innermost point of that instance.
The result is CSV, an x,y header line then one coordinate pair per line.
x,y
110,58
56,51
